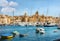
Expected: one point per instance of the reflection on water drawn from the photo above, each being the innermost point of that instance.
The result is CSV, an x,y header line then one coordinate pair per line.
x,y
50,35
10,39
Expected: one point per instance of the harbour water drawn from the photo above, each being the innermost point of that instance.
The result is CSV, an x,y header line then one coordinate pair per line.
x,y
49,35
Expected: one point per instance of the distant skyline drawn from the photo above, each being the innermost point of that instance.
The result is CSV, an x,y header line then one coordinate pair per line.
x,y
30,6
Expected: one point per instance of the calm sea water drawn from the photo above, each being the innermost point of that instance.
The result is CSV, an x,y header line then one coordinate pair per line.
x,y
50,35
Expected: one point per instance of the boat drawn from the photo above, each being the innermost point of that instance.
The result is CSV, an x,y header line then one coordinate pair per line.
x,y
58,26
15,33
58,23
55,31
47,24
40,30
56,40
22,23
37,30
6,36
22,35
38,24
30,24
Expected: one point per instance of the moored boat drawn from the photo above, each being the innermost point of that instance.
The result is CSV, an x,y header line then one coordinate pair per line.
x,y
40,30
49,24
6,36
58,26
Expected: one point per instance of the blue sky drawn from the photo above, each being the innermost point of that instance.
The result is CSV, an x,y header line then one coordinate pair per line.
x,y
31,6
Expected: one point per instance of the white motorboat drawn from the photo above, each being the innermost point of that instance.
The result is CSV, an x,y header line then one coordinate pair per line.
x,y
58,26
40,30
22,23
49,24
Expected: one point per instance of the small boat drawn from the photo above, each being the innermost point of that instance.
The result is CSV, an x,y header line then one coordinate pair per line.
x,y
37,30
58,23
30,24
49,24
22,35
15,33
58,26
6,36
40,30
55,31
38,24
57,40
21,24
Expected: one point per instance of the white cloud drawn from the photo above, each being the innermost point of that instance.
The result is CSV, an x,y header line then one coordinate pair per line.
x,y
13,3
7,9
3,3
7,6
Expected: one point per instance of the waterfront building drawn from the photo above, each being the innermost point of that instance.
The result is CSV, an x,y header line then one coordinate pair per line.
x,y
25,18
6,19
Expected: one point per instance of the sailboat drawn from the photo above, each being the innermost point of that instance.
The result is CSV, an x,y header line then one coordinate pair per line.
x,y
37,23
48,24
59,24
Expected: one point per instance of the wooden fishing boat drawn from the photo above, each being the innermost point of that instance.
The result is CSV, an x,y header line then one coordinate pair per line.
x,y
6,36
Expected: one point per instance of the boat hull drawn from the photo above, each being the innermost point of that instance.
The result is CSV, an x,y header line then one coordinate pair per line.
x,y
6,37
49,25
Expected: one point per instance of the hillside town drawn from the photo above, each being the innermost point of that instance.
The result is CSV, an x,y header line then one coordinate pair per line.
x,y
6,19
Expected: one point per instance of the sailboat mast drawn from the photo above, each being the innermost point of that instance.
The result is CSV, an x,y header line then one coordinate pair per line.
x,y
13,17
46,15
59,18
